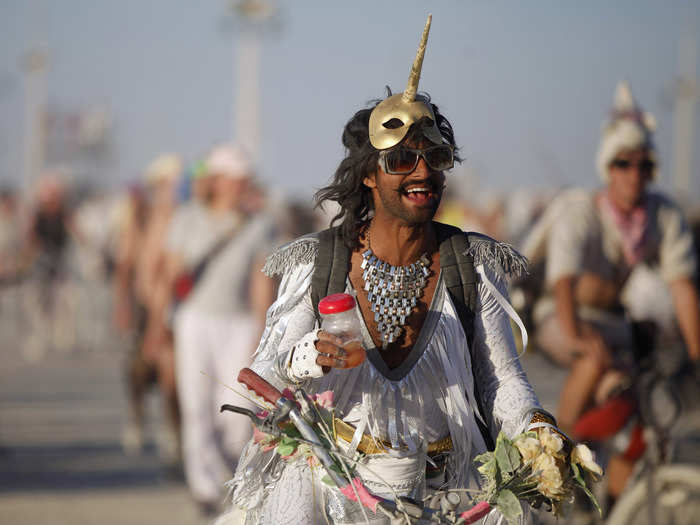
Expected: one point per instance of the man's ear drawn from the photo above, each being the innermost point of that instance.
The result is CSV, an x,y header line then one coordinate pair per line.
x,y
370,180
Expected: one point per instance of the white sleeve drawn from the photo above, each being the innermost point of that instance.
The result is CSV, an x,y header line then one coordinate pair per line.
x,y
508,400
281,334
677,251
567,243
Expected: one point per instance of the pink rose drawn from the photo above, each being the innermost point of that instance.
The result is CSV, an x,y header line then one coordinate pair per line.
x,y
324,399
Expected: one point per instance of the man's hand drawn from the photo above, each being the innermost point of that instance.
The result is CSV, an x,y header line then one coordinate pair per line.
x,y
591,289
592,345
335,354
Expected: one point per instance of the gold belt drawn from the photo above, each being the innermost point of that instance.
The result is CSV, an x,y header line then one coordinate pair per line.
x,y
369,445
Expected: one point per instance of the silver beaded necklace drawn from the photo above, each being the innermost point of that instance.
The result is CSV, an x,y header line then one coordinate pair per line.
x,y
392,291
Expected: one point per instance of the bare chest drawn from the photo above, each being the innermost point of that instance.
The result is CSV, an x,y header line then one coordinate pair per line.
x,y
396,352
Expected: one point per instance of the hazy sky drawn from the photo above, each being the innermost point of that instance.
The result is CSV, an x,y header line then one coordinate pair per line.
x,y
526,85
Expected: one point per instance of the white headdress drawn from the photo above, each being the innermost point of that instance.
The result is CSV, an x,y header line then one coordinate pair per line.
x,y
627,128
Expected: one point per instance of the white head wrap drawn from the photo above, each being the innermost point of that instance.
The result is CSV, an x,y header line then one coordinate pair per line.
x,y
627,128
230,161
163,168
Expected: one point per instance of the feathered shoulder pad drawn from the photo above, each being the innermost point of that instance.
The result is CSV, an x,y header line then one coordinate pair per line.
x,y
500,257
301,250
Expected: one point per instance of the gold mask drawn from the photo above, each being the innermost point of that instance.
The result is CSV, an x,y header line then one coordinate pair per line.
x,y
391,119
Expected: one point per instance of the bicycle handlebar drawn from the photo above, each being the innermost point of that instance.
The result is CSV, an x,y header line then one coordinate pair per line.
x,y
258,385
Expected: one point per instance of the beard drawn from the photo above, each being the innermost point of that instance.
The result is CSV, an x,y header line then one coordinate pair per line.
x,y
396,201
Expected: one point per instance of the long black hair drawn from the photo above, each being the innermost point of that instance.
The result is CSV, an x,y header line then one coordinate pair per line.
x,y
347,188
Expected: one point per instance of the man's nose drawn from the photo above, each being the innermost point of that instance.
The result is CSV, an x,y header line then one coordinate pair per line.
x,y
422,167
638,174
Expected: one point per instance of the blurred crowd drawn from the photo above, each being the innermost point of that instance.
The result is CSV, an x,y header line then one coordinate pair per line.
x,y
178,254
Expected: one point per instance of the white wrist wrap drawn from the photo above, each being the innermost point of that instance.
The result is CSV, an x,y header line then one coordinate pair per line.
x,y
302,358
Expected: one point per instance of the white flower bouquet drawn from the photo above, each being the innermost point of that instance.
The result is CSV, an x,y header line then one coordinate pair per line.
x,y
536,468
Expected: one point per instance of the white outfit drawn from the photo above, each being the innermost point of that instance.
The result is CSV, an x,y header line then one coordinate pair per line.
x,y
214,338
428,397
575,237
194,230
208,357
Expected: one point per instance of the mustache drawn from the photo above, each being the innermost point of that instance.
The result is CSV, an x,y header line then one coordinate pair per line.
x,y
433,185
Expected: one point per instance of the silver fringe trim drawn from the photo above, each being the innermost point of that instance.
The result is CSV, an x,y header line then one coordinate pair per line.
x,y
500,257
299,251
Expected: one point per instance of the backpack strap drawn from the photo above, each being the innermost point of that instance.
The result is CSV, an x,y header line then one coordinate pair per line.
x,y
460,278
331,268
458,274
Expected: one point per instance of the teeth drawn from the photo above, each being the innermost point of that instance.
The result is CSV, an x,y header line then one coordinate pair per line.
x,y
414,190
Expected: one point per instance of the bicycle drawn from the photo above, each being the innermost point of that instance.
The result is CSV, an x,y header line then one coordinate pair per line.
x,y
638,424
301,413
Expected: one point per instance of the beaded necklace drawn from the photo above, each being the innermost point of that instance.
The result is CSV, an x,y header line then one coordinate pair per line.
x,y
392,291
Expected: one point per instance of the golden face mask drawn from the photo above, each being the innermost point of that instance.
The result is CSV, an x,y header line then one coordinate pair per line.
x,y
391,119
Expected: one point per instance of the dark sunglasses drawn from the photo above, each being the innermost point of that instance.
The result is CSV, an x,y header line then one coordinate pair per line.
x,y
402,161
644,166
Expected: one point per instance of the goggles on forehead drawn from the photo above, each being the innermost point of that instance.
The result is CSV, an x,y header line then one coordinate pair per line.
x,y
402,160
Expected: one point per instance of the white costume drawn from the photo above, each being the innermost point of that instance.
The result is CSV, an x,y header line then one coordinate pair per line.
x,y
429,396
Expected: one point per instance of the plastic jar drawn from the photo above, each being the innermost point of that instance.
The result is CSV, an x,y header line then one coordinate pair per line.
x,y
338,317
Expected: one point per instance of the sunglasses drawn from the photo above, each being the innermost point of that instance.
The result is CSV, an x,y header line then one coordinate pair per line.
x,y
644,166
402,161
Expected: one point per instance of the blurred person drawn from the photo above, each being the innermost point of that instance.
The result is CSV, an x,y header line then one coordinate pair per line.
x,y
50,227
46,246
219,320
95,219
163,177
594,242
93,260
194,209
130,313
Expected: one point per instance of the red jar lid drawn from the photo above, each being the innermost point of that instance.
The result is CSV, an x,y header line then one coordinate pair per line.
x,y
336,303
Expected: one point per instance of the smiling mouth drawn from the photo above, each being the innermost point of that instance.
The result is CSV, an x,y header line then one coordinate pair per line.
x,y
420,195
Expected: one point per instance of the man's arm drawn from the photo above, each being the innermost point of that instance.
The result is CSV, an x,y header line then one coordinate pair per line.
x,y
582,339
159,303
507,398
685,302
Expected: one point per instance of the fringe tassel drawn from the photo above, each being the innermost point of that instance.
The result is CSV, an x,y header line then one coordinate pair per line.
x,y
300,251
499,256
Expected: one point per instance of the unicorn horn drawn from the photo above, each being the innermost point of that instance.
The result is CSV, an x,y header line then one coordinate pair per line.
x,y
409,95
